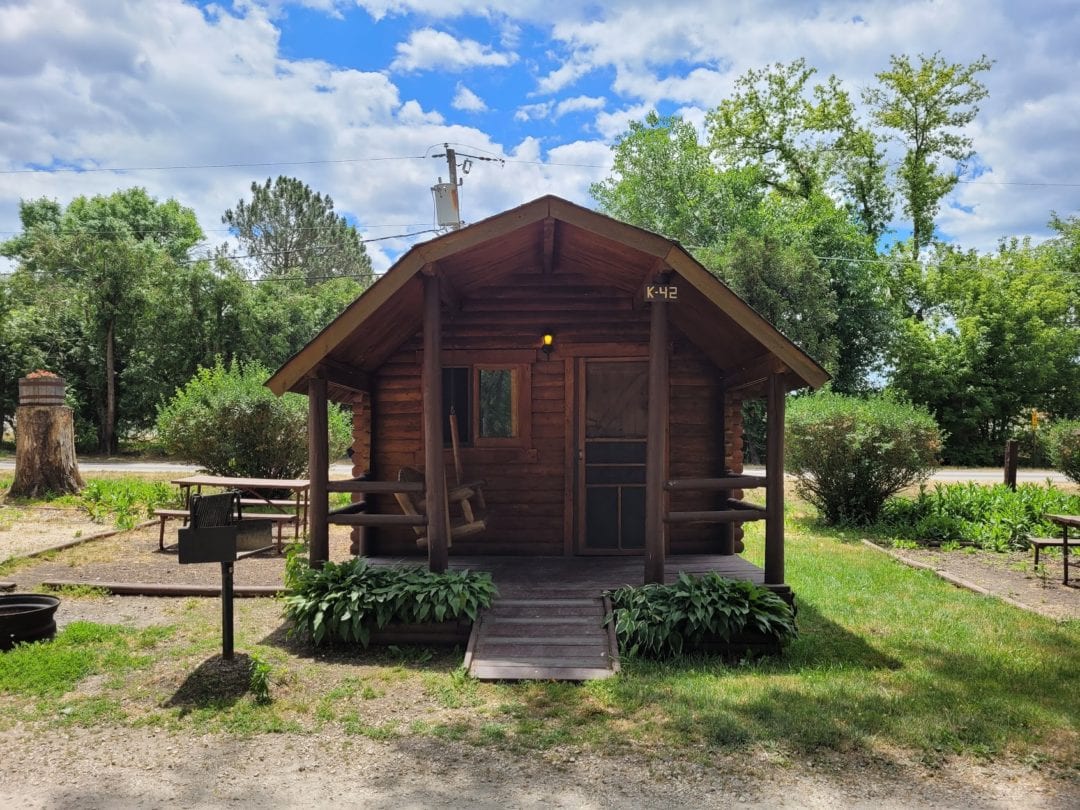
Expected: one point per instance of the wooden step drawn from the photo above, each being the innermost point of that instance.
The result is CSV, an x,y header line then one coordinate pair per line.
x,y
543,638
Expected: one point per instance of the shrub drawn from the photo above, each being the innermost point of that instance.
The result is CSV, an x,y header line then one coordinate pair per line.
x,y
661,620
227,421
346,601
1065,449
994,518
850,453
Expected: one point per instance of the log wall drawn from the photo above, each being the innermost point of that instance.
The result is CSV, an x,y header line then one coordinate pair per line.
x,y
527,486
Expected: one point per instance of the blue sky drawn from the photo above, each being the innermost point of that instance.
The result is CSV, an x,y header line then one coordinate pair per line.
x,y
349,94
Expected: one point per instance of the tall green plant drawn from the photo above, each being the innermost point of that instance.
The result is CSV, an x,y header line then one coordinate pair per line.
x,y
849,453
226,420
1065,448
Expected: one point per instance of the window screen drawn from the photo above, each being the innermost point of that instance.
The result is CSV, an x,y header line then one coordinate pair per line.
x,y
496,405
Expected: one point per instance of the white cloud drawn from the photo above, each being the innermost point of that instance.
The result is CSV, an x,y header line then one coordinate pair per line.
x,y
428,49
579,104
534,112
466,100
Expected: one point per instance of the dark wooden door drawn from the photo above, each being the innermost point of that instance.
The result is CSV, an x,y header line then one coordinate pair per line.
x,y
613,427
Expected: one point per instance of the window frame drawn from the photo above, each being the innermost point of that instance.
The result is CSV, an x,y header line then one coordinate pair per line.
x,y
520,404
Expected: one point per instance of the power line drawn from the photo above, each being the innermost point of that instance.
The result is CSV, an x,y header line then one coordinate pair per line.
x,y
194,166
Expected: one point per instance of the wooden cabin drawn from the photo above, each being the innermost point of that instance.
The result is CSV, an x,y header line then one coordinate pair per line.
x,y
596,373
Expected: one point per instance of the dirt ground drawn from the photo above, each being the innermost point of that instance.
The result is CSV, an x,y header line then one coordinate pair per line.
x,y
25,530
136,768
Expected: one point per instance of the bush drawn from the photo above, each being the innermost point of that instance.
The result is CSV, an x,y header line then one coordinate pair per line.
x,y
994,518
346,601
661,620
227,421
850,454
1065,449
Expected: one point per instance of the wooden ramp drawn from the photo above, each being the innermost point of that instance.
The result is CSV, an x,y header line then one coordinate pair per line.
x,y
541,638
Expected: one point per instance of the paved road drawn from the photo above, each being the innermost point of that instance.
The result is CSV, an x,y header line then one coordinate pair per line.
x,y
982,475
151,467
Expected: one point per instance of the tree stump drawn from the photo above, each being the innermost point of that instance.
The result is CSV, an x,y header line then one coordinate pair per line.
x,y
45,452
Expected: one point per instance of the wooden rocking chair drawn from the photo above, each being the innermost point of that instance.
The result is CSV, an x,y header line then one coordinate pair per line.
x,y
468,498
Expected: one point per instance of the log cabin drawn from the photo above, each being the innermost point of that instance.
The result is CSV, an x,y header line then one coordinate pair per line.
x,y
589,373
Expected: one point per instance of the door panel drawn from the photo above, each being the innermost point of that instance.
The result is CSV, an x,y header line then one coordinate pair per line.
x,y
615,420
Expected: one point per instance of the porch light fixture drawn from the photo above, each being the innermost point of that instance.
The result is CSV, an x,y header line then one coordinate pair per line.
x,y
547,342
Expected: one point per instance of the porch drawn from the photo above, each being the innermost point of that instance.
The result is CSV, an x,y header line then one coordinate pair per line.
x,y
547,622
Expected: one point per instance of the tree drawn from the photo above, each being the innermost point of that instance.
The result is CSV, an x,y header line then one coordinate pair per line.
x,y
998,336
289,230
803,140
925,105
664,180
101,257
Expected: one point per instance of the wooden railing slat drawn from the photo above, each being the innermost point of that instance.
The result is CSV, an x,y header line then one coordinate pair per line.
x,y
714,484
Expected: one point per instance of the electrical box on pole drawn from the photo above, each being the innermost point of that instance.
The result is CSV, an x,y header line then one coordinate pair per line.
x,y
447,202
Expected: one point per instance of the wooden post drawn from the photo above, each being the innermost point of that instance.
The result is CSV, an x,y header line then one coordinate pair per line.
x,y
1012,447
438,529
318,474
774,484
726,530
656,452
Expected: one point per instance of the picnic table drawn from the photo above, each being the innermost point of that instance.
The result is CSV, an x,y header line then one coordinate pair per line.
x,y
293,509
1066,522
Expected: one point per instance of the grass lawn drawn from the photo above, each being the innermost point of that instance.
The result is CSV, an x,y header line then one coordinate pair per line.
x,y
889,660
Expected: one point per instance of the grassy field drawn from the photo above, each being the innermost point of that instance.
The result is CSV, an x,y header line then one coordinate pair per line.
x,y
889,660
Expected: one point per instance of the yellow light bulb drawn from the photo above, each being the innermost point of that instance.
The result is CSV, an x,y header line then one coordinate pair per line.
x,y
548,338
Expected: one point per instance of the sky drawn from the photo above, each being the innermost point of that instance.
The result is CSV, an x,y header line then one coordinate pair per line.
x,y
355,97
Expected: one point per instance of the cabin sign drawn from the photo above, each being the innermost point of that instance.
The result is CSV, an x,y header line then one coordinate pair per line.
x,y
662,292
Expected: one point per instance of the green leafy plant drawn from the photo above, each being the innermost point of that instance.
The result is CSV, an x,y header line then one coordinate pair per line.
x,y
851,453
994,518
1065,448
125,502
226,420
663,620
346,601
260,679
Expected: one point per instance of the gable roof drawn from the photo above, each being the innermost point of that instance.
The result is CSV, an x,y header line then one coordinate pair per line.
x,y
389,312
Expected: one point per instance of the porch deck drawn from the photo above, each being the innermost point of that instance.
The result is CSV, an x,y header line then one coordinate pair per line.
x,y
547,621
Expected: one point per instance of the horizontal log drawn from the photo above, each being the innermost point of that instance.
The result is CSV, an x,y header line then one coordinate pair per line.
x,y
171,589
377,520
735,503
719,516
715,484
375,487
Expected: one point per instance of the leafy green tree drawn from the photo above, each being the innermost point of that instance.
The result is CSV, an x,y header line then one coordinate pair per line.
x,y
803,140
997,337
288,230
925,105
664,180
225,419
105,254
801,262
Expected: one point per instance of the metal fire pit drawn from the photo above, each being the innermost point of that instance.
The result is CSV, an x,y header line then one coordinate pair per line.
x,y
26,617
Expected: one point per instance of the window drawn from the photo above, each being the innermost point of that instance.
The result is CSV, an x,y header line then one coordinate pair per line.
x,y
488,403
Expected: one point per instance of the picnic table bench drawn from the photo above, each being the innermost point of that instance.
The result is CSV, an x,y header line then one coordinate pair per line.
x,y
281,511
1066,522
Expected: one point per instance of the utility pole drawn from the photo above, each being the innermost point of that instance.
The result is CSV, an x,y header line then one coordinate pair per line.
x,y
451,162
447,202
